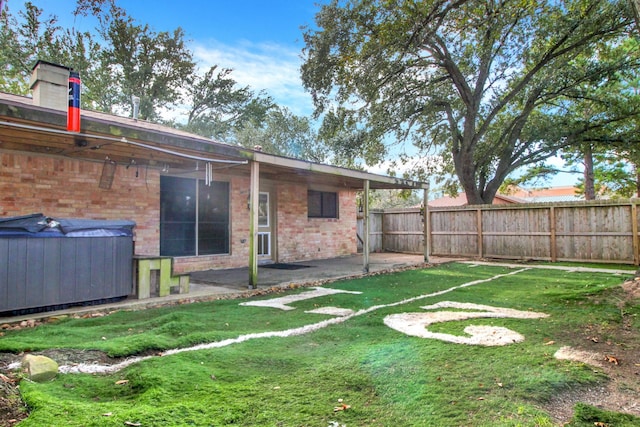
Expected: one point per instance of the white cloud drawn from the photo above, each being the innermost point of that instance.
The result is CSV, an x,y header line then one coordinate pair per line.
x,y
383,168
266,66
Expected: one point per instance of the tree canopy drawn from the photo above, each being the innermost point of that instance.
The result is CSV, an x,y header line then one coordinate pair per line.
x,y
153,66
481,85
602,118
218,109
285,134
124,58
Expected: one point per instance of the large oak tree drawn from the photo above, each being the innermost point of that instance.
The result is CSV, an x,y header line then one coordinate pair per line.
x,y
477,80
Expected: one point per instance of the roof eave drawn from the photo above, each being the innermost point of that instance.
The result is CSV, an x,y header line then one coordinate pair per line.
x,y
96,124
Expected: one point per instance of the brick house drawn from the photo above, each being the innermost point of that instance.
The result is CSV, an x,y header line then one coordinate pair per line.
x,y
205,204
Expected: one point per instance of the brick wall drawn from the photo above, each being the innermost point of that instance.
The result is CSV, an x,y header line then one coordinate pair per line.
x,y
303,238
68,188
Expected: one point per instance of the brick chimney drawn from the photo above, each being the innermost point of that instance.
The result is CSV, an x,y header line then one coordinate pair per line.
x,y
50,85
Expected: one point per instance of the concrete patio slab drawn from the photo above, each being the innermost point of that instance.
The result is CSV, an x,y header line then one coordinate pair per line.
x,y
233,283
312,271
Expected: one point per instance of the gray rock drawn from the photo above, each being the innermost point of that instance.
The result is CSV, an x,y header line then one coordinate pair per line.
x,y
40,368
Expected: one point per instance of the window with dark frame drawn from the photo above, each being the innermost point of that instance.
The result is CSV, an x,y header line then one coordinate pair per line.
x,y
194,217
322,204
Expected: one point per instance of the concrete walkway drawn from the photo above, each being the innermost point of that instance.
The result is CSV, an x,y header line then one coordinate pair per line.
x,y
578,269
233,283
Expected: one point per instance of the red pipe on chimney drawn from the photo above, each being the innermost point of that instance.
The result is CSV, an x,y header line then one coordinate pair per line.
x,y
73,114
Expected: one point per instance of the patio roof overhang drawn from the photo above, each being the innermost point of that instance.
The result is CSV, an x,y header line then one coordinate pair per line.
x,y
28,128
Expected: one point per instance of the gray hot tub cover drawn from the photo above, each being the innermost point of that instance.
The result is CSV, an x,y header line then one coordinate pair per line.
x,y
39,225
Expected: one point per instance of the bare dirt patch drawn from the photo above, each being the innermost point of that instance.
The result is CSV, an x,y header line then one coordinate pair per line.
x,y
631,289
611,349
12,408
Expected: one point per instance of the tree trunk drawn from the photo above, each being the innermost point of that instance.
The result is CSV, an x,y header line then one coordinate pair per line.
x,y
463,162
475,195
589,178
636,12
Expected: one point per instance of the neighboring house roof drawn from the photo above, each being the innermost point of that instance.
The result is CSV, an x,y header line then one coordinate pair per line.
x,y
552,199
461,200
520,195
30,128
566,190
565,193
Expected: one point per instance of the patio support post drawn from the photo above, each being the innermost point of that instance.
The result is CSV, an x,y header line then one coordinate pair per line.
x,y
425,219
367,232
254,191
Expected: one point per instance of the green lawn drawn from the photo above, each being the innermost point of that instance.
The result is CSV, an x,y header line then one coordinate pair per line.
x,y
385,377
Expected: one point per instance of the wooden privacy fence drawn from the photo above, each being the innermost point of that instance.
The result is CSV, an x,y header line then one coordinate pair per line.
x,y
394,230
595,231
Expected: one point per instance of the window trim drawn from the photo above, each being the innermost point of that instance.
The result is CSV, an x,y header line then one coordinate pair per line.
x,y
326,212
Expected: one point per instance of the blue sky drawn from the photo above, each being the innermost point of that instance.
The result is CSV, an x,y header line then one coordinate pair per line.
x,y
261,41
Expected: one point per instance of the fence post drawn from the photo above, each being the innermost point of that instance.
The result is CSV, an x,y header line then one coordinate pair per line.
x,y
553,250
634,232
382,219
479,226
425,219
